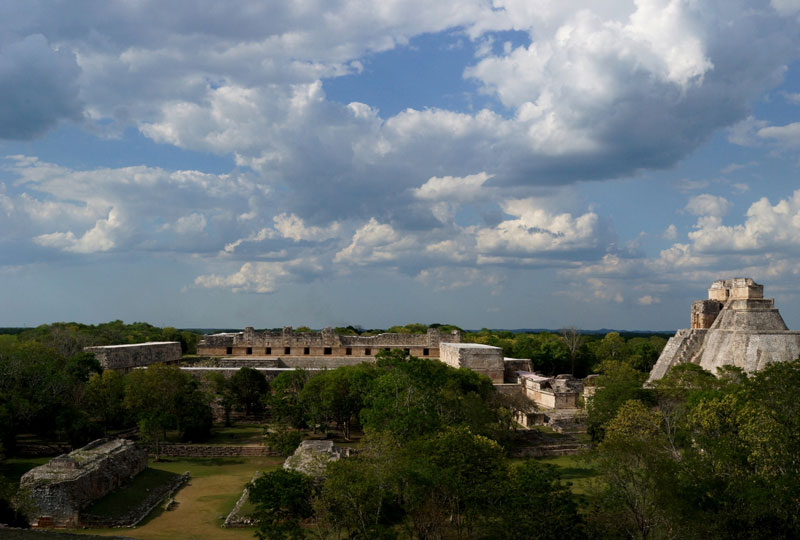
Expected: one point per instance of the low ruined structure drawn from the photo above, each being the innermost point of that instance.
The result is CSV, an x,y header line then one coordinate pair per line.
x,y
560,392
483,359
293,347
312,456
60,489
512,366
127,357
736,326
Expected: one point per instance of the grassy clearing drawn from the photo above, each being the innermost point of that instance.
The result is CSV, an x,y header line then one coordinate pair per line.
x,y
12,469
214,487
576,470
119,502
237,435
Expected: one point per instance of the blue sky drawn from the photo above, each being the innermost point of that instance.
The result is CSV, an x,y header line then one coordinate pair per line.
x,y
501,163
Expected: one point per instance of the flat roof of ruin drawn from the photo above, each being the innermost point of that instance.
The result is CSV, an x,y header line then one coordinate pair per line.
x,y
133,345
469,345
532,376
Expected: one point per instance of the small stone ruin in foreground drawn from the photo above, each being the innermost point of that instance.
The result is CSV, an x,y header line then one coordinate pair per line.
x,y
71,482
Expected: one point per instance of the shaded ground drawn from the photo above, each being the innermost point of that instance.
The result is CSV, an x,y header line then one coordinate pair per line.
x,y
214,487
576,470
13,468
117,503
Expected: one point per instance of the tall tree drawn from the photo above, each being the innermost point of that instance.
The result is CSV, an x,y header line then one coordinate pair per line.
x,y
574,341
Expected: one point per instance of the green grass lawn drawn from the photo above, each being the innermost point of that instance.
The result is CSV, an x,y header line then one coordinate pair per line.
x,y
215,484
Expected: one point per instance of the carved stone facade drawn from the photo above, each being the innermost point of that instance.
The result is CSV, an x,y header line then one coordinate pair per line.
x,y
735,326
288,343
127,357
70,482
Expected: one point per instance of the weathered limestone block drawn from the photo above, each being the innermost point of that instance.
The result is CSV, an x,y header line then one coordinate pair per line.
x,y
483,359
127,357
69,483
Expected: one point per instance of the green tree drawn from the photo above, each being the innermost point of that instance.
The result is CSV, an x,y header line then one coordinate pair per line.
x,y
635,462
163,397
535,495
618,383
282,499
105,395
248,388
284,401
338,395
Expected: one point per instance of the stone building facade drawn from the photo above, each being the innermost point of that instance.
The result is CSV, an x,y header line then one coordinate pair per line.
x,y
735,326
127,357
288,343
67,484
483,359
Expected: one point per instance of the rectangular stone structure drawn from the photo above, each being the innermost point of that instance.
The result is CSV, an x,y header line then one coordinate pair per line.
x,y
127,357
483,359
67,484
288,343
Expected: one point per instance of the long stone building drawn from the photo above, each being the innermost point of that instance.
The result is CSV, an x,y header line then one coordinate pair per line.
x,y
735,326
130,356
288,343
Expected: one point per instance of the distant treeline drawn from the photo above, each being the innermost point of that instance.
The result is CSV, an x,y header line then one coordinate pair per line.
x,y
69,338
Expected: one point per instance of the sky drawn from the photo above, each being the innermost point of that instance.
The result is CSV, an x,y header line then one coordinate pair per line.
x,y
501,164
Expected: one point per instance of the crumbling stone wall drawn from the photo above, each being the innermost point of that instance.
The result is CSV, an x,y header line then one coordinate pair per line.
x,y
70,482
127,357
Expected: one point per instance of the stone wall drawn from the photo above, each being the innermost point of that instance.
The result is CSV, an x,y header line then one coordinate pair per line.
x,y
483,359
208,450
69,483
127,357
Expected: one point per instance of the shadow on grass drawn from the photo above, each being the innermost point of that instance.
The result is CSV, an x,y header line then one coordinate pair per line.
x,y
132,495
202,462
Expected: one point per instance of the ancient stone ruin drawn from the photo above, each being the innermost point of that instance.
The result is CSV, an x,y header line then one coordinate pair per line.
x,y
127,357
736,326
483,359
312,456
60,489
293,348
